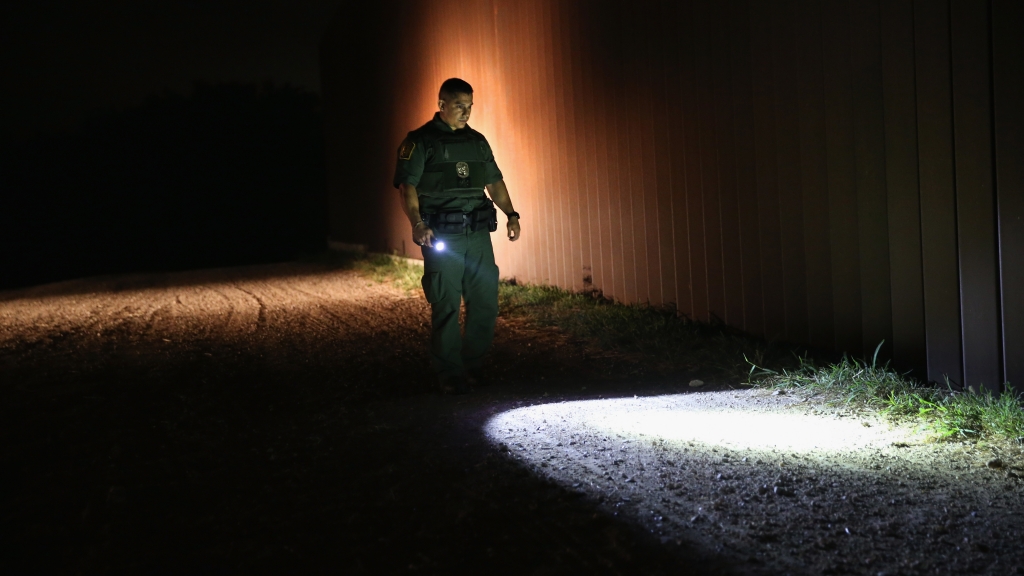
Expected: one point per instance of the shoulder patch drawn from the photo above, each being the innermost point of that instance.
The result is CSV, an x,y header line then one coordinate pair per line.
x,y
406,149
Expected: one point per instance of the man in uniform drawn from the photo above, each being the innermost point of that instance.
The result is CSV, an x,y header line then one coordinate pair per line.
x,y
444,169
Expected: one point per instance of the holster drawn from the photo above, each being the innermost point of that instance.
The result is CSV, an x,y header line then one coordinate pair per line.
x,y
485,218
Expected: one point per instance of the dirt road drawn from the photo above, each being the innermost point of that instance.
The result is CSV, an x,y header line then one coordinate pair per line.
x,y
282,417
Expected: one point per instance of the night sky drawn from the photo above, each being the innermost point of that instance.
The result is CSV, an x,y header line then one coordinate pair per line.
x,y
67,61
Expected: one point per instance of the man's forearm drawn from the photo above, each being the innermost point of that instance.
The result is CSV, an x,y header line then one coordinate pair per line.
x,y
421,234
499,193
410,202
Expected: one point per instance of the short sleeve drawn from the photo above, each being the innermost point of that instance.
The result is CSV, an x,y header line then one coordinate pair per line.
x,y
492,173
409,166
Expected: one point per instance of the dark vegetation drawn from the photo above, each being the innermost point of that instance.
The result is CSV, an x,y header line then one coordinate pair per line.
x,y
230,174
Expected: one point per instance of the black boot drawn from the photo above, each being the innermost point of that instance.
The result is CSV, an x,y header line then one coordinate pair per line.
x,y
478,378
454,384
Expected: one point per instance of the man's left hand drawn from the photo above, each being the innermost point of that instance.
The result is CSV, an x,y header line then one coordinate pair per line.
x,y
513,229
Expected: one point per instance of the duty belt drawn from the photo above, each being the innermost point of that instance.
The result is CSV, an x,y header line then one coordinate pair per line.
x,y
456,222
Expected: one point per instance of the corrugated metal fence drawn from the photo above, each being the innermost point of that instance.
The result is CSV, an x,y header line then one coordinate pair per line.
x,y
830,172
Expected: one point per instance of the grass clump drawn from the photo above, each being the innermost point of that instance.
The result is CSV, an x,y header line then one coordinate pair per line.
x,y
384,268
848,381
672,342
972,414
948,413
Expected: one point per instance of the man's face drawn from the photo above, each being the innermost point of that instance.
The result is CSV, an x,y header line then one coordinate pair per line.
x,y
455,111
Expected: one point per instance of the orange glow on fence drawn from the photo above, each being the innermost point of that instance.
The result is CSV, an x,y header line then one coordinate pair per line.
x,y
470,52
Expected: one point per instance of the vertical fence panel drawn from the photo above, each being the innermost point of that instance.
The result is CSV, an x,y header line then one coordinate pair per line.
x,y
897,33
545,132
510,17
975,207
732,269
569,148
580,191
938,203
746,183
638,101
603,110
869,157
509,146
787,137
842,191
512,52
543,98
516,264
554,86
766,168
573,144
623,94
678,150
1008,84
705,105
522,58
662,154
694,201
598,163
938,225
648,124
537,138
814,177
568,243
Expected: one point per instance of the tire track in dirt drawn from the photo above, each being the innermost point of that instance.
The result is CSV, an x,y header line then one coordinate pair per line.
x,y
143,314
261,316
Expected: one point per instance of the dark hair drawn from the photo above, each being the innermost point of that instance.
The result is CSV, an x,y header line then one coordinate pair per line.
x,y
453,86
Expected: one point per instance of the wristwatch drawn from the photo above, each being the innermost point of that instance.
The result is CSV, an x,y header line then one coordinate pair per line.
x,y
511,214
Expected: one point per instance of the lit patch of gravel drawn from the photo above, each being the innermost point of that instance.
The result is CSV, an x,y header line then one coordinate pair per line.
x,y
782,483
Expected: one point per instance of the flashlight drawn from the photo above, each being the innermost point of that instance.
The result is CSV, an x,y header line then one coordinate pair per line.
x,y
439,246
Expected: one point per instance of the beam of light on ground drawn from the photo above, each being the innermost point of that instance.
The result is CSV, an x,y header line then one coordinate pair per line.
x,y
712,419
797,432
788,484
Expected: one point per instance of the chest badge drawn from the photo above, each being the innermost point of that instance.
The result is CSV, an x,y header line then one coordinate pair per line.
x,y
462,170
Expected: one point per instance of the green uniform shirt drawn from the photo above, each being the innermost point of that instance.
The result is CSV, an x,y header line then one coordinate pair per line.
x,y
449,168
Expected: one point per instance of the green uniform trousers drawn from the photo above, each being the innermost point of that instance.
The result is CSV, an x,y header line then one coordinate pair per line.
x,y
465,269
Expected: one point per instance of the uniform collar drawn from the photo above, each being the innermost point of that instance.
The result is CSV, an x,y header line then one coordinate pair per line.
x,y
441,125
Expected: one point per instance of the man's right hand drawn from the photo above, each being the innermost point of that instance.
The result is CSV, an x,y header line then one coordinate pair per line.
x,y
423,235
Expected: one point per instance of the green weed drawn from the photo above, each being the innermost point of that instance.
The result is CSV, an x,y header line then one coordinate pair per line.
x,y
671,342
378,267
398,271
948,413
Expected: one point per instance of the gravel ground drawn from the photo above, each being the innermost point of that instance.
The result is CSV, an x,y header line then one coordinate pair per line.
x,y
781,483
281,417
